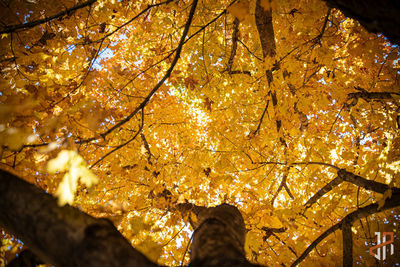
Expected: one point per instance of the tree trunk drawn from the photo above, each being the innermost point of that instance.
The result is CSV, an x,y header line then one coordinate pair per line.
x,y
62,236
219,238
66,236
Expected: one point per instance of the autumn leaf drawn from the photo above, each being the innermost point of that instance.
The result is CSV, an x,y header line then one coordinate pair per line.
x,y
291,115
76,170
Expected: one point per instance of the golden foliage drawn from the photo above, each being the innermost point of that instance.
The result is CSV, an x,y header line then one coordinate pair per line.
x,y
80,87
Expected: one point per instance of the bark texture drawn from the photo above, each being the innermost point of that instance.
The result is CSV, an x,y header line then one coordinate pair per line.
x,y
62,236
376,16
66,236
219,238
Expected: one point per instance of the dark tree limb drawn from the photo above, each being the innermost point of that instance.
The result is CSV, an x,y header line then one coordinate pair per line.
x,y
265,30
375,16
364,183
235,37
390,203
25,259
270,231
328,187
345,176
267,38
35,217
28,25
246,72
282,185
121,145
347,244
147,147
219,238
369,96
261,119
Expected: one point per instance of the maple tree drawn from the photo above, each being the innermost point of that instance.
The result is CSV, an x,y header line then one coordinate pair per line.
x,y
147,112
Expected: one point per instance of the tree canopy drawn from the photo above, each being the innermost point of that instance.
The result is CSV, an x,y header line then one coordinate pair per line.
x,y
288,110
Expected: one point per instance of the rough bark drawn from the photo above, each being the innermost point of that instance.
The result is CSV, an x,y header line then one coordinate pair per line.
x,y
62,236
375,16
219,238
347,244
66,236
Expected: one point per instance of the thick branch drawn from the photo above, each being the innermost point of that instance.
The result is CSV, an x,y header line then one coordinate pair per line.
x,y
219,239
235,36
369,96
267,38
347,244
346,176
28,25
34,217
328,187
375,16
364,183
265,30
393,202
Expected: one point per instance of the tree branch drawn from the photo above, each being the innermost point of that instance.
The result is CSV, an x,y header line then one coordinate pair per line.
x,y
364,183
393,202
267,38
166,75
235,36
261,119
34,216
328,187
347,244
368,96
345,176
28,25
121,145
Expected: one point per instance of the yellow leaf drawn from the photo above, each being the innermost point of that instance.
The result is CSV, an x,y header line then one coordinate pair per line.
x,y
151,249
240,10
252,241
137,225
73,163
386,195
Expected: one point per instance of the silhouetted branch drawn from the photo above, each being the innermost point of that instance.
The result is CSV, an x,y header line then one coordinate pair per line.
x,y
345,176
235,35
369,96
261,119
390,203
328,187
282,185
121,145
28,25
364,183
84,240
347,244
